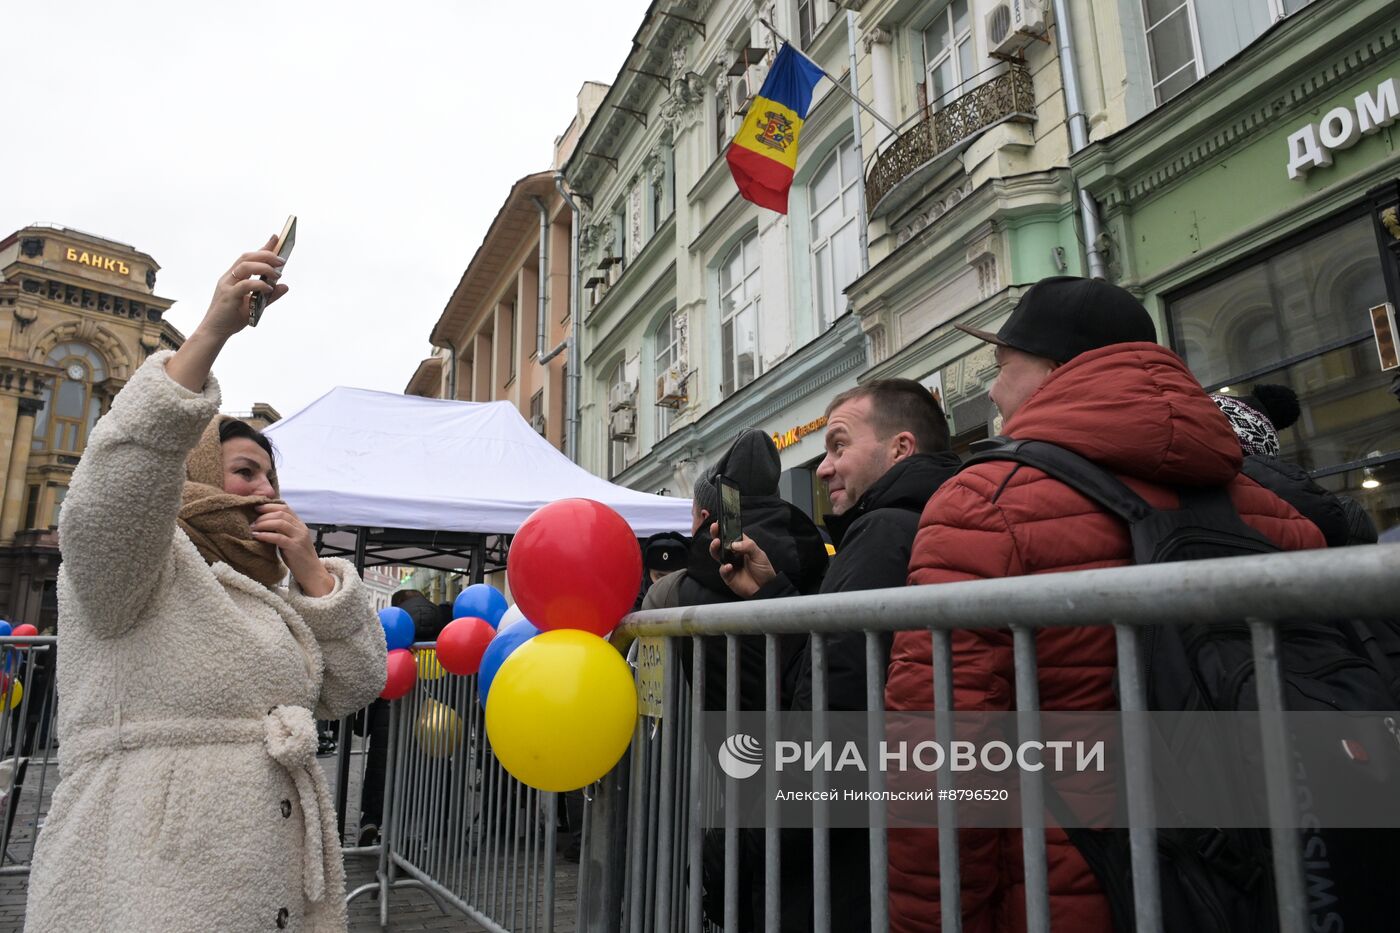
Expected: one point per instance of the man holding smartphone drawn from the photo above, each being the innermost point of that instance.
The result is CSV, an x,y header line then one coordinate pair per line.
x,y
887,452
748,472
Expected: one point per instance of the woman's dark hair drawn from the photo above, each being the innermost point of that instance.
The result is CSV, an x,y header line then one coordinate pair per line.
x,y
232,428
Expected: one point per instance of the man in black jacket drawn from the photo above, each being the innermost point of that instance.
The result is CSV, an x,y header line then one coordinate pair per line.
x,y
796,548
887,452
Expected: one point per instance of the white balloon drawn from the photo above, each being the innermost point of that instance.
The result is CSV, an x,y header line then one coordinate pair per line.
x,y
513,614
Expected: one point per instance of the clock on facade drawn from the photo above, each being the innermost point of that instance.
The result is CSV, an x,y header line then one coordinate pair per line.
x,y
76,372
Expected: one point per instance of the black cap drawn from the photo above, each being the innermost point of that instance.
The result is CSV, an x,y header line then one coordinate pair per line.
x,y
665,551
1063,316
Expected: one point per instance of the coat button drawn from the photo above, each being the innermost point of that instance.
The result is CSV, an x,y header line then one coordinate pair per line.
x,y
282,916
286,809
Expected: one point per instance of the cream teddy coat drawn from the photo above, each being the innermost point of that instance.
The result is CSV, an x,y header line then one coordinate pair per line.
x,y
190,798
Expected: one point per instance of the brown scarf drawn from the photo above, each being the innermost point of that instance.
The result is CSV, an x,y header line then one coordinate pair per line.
x,y
218,522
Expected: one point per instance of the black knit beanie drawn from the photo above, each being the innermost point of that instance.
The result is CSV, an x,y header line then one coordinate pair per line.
x,y
751,461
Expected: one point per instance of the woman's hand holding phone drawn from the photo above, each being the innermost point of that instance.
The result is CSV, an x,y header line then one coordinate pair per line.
x,y
228,313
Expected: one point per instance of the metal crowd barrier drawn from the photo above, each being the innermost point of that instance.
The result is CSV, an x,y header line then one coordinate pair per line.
x,y
644,821
455,823
28,750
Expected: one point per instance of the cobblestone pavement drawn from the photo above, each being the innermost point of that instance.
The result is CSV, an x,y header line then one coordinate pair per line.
x,y
411,909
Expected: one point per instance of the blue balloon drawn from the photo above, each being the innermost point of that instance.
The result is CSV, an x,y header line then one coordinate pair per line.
x,y
480,601
506,641
5,629
398,627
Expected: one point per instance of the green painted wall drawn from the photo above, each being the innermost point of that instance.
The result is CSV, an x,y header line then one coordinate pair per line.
x,y
1033,239
1249,188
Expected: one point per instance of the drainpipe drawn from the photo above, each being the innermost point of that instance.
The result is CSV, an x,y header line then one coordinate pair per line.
x,y
540,317
575,380
1078,135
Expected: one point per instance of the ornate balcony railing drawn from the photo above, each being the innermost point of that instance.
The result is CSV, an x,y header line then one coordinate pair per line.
x,y
935,133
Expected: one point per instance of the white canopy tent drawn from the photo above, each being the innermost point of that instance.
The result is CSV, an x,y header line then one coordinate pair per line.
x,y
421,480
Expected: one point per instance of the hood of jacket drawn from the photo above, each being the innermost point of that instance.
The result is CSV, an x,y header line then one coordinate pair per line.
x,y
909,484
791,540
1135,409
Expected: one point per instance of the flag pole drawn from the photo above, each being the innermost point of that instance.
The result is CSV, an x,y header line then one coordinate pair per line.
x,y
839,86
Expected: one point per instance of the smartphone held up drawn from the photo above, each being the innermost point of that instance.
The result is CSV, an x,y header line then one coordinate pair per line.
x,y
285,241
730,526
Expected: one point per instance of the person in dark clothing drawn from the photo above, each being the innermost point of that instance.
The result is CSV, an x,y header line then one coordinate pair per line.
x,y
662,554
797,549
428,621
887,453
1256,419
788,537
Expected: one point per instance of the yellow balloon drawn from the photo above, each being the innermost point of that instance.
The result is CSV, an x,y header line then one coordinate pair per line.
x,y
12,693
561,710
429,668
438,729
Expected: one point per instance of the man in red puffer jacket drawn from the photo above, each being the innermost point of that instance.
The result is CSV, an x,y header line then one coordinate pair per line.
x,y
1079,366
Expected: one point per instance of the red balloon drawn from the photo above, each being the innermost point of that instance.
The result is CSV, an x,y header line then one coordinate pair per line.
x,y
461,644
25,629
575,563
403,674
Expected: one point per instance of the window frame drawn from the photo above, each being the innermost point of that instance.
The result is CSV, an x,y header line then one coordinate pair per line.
x,y
933,61
665,415
826,317
1197,57
617,447
808,32
729,363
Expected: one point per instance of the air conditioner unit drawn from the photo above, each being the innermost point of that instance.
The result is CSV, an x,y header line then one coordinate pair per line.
x,y
537,422
622,423
1010,24
670,387
623,395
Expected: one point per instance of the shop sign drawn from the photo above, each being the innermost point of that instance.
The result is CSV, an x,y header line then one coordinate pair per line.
x,y
793,435
1387,340
1341,128
97,261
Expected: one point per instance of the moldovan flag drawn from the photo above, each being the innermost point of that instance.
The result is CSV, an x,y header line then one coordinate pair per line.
x,y
764,153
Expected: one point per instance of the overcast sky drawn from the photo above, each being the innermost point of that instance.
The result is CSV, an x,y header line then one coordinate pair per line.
x,y
393,131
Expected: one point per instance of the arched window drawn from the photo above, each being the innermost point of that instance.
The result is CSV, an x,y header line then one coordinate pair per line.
x,y
71,407
832,196
740,288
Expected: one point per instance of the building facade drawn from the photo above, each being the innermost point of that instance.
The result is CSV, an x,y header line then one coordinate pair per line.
x,y
80,315
501,335
702,313
1255,212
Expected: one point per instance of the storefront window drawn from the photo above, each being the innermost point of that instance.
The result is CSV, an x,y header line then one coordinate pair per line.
x,y
1299,318
1292,304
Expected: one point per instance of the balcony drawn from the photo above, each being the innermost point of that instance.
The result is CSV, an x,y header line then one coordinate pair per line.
x,y
925,143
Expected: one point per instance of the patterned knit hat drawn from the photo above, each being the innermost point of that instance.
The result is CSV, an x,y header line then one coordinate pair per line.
x,y
1255,431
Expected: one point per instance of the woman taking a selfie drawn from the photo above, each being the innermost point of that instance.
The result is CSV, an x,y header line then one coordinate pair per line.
x,y
192,675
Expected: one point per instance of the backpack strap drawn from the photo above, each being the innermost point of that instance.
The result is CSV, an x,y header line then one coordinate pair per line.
x,y
1084,476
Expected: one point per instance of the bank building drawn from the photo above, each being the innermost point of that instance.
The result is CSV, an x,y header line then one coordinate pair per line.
x,y
78,315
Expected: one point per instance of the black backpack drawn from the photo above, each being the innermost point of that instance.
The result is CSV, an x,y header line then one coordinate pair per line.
x,y
1219,880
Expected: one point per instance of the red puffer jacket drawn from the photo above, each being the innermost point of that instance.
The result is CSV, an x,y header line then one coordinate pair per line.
x,y
1136,410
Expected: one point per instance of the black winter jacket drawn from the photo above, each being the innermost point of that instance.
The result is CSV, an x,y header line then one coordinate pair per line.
x,y
1341,519
427,618
873,540
794,545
